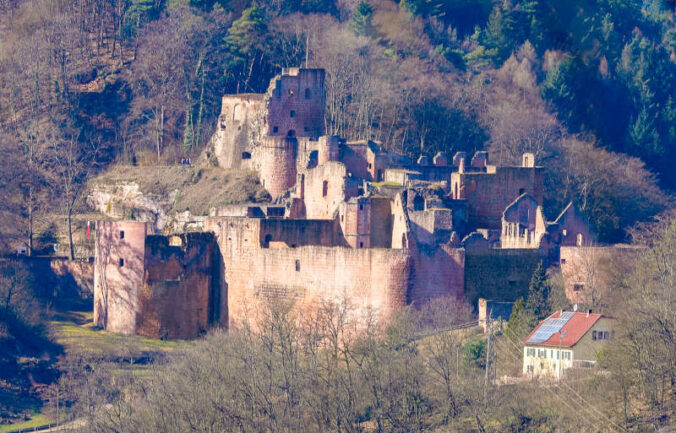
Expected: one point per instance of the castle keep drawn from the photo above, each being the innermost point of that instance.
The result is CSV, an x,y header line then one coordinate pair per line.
x,y
349,223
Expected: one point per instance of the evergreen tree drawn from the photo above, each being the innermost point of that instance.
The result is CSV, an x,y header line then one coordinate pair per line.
x,y
521,321
537,303
361,20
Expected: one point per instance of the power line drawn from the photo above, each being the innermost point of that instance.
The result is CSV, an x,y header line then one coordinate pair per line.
x,y
587,405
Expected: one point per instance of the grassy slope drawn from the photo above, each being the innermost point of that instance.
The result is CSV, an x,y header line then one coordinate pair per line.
x,y
74,331
199,188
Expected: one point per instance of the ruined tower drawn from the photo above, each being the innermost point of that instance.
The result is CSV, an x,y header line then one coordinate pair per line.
x,y
295,103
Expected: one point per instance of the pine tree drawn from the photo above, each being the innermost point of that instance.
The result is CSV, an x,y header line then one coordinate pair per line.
x,y
361,20
537,303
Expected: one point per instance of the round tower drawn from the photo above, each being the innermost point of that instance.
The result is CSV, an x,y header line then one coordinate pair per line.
x,y
329,146
278,164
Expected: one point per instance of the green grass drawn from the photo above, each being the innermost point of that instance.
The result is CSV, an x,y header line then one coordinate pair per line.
x,y
85,338
387,184
36,421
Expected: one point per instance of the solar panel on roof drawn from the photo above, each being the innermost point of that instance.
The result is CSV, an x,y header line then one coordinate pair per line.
x,y
550,327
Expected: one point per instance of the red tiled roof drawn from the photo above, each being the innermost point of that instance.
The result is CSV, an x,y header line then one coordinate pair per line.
x,y
575,328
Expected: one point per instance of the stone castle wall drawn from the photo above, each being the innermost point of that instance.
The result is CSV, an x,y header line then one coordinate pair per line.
x,y
179,298
306,276
295,103
278,164
118,274
489,193
500,275
238,130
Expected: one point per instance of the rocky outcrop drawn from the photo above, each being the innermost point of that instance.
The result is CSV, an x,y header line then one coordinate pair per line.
x,y
125,200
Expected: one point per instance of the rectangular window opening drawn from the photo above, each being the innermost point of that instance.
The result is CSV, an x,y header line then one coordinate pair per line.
x,y
121,262
121,234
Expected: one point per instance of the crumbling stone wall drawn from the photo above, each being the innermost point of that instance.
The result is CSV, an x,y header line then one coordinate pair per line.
x,y
355,221
324,188
590,273
278,164
296,233
180,297
500,275
439,273
295,103
489,193
238,130
118,274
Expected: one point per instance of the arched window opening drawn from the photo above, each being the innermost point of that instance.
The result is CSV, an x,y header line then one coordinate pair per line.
x,y
418,203
291,133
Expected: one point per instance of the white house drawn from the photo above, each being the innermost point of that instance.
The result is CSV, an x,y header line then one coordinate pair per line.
x,y
563,340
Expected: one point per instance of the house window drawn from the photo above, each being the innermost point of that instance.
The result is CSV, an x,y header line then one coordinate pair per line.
x,y
325,188
121,234
297,265
307,93
121,262
275,129
292,113
600,335
578,287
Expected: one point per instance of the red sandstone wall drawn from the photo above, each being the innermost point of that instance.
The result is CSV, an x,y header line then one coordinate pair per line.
x,y
375,279
116,287
572,224
488,194
278,164
239,123
323,206
288,93
438,274
595,270
178,299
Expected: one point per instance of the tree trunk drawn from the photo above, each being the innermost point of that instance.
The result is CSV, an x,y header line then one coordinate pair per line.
x,y
71,249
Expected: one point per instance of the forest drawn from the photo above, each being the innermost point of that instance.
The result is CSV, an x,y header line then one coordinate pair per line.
x,y
588,86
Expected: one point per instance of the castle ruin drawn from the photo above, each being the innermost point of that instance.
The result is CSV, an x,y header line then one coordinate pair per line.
x,y
349,223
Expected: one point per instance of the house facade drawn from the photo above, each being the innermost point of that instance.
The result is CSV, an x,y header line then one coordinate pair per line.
x,y
565,340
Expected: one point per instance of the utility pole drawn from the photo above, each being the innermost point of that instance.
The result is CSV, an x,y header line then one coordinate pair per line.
x,y
488,357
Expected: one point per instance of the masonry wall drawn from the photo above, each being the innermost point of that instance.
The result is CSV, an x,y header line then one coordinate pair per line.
x,y
180,296
296,103
499,275
489,193
439,273
325,187
116,283
278,164
590,273
296,233
238,130
381,222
